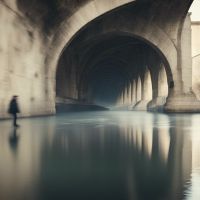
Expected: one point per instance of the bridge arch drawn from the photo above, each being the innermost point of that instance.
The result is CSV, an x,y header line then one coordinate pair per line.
x,y
149,33
92,45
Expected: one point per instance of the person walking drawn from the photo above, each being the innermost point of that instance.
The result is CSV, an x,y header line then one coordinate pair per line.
x,y
14,109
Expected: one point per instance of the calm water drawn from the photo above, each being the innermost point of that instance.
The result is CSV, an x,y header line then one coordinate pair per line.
x,y
101,156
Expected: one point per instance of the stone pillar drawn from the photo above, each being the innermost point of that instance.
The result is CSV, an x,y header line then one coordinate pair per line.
x,y
162,83
196,58
127,95
186,56
134,93
139,90
147,87
130,94
160,89
120,100
183,100
146,92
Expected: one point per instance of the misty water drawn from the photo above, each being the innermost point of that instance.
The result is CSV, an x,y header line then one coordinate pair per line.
x,y
101,156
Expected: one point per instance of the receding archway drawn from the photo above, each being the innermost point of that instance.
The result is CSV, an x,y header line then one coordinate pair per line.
x,y
106,69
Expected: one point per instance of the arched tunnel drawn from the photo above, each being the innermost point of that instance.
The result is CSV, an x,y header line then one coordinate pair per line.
x,y
106,71
127,62
109,62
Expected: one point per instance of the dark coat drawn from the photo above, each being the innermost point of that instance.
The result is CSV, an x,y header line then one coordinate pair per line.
x,y
13,107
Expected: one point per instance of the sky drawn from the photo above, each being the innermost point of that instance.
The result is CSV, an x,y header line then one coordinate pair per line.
x,y
195,9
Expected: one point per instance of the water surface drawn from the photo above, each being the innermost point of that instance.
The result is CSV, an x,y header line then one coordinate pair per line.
x,y
101,156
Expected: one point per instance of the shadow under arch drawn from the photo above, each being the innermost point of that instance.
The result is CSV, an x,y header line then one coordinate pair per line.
x,y
141,39
93,42
86,69
85,76
169,58
157,39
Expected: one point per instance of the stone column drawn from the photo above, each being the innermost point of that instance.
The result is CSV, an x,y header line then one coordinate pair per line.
x,y
183,100
134,93
129,94
146,92
139,90
160,89
125,95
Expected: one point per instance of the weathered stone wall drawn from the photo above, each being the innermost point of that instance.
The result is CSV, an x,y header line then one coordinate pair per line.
x,y
196,58
27,30
22,71
24,44
186,60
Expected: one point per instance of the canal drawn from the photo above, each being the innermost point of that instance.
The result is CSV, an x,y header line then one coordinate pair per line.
x,y
101,156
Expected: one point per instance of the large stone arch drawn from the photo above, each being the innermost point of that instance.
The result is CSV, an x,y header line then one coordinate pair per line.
x,y
126,34
69,29
169,57
159,37
151,34
164,38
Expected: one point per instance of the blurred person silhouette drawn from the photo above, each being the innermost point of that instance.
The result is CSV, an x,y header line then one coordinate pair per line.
x,y
14,109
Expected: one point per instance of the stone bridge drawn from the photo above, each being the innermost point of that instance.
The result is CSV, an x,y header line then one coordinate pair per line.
x,y
122,53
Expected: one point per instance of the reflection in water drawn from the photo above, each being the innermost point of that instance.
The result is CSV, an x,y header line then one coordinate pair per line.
x,y
13,139
102,155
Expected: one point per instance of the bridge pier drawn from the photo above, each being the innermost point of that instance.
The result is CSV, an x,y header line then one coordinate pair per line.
x,y
157,104
181,96
160,88
146,92
185,103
